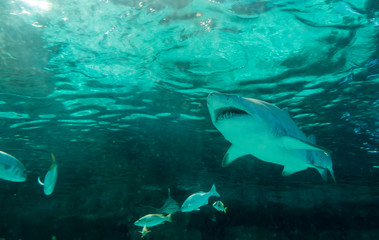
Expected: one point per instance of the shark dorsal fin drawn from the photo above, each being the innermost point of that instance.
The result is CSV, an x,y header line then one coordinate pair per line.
x,y
295,143
232,154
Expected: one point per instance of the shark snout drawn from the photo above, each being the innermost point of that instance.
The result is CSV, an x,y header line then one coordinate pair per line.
x,y
217,97
210,96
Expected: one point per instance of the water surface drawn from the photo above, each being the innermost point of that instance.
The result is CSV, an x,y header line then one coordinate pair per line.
x,y
117,91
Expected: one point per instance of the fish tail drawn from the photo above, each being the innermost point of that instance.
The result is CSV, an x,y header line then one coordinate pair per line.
x,y
169,218
52,157
225,209
40,181
213,191
53,161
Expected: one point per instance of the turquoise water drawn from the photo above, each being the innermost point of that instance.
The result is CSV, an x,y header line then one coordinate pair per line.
x,y
117,90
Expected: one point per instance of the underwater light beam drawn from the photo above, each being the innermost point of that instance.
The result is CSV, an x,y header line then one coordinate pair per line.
x,y
41,4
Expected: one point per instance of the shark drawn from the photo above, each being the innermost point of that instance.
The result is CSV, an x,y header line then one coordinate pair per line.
x,y
258,128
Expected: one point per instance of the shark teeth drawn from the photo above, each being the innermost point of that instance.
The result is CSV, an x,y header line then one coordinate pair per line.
x,y
228,112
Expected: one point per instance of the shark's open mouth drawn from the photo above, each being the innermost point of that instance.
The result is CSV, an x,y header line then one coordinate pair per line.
x,y
228,112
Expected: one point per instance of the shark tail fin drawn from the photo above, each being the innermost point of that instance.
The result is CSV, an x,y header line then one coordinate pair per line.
x,y
213,191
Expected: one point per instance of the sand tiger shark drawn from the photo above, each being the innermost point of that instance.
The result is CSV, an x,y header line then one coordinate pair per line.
x,y
267,132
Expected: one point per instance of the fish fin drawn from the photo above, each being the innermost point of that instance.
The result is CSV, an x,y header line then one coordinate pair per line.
x,y
52,157
324,173
53,161
289,171
323,165
332,174
169,218
40,181
213,191
225,209
232,154
295,143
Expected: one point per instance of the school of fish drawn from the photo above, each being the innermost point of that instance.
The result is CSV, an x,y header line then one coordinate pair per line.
x,y
192,203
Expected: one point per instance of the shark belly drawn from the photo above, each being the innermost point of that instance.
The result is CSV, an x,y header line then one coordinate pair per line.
x,y
258,140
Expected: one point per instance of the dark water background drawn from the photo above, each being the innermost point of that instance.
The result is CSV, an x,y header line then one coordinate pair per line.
x,y
117,91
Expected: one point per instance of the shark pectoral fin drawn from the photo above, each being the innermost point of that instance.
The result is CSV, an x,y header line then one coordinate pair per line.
x,y
232,154
294,143
290,170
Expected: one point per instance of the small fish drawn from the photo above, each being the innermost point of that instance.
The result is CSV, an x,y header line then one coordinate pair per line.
x,y
196,200
144,231
220,206
11,169
50,177
152,220
170,206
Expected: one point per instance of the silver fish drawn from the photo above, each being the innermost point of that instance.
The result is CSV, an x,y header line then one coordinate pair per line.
x,y
50,177
152,220
196,200
11,169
